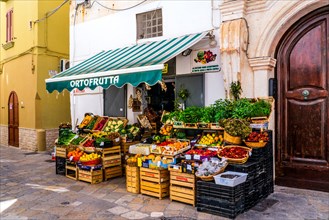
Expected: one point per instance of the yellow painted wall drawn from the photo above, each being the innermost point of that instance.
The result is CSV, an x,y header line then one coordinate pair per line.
x,y
38,48
25,36
52,108
17,76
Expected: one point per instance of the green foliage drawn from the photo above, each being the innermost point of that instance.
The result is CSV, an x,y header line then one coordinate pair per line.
x,y
236,89
236,127
208,114
260,108
183,93
222,109
190,115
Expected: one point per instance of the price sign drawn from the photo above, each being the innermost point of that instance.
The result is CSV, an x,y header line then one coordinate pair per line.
x,y
197,157
188,157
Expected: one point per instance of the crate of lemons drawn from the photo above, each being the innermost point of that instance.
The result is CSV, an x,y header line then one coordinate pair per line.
x,y
91,159
211,139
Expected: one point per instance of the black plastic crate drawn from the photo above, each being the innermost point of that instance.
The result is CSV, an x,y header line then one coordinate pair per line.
x,y
224,212
253,168
60,166
220,203
212,190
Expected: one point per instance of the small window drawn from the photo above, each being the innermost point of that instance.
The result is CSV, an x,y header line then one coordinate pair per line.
x,y
9,26
149,24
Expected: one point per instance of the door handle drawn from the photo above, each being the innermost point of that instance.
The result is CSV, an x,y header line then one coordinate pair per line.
x,y
305,93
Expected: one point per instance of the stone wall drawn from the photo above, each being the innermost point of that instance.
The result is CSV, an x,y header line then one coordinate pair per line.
x,y
51,136
4,135
28,139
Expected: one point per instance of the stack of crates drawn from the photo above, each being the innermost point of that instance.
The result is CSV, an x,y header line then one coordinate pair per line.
x,y
231,201
220,200
111,161
182,187
154,182
259,183
60,160
132,179
92,175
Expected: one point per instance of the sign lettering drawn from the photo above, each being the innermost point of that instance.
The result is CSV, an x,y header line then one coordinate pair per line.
x,y
92,82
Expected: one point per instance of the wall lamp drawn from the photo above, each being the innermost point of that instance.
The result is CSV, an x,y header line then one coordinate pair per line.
x,y
186,52
212,41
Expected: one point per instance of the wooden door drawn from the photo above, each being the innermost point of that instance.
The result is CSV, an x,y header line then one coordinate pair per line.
x,y
13,122
302,156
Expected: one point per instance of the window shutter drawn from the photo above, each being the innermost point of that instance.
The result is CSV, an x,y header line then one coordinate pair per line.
x,y
9,26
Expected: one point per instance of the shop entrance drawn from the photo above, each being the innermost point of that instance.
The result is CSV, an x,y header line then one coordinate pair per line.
x,y
159,99
302,154
13,123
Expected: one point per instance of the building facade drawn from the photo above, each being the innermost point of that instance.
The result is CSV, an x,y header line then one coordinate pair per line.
x,y
280,48
274,48
34,38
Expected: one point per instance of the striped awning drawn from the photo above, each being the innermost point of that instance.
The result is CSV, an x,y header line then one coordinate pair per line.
x,y
141,63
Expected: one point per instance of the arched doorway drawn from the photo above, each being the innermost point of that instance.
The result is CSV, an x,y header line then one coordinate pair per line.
x,y
302,154
13,122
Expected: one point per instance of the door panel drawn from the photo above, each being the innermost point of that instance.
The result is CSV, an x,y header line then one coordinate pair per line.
x,y
13,120
115,101
303,72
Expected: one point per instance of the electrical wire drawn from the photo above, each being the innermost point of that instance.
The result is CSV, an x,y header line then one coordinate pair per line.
x,y
48,14
122,9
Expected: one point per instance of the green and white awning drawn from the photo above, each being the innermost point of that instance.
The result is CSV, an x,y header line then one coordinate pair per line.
x,y
141,63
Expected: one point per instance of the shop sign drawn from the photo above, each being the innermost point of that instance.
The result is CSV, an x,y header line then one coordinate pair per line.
x,y
93,82
205,60
165,68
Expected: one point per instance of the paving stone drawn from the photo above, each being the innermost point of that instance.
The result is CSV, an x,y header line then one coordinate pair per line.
x,y
134,215
153,208
124,200
92,201
156,214
118,210
172,213
14,217
175,206
205,216
76,188
135,206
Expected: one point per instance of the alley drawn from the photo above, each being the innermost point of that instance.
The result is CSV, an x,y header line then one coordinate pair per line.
x,y
30,189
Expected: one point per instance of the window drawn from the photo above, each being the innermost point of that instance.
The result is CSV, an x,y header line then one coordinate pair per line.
x,y
9,26
149,24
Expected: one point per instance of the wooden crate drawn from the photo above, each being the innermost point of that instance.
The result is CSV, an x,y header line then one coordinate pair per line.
x,y
111,150
111,172
110,161
61,152
111,156
71,171
154,182
90,176
132,179
125,146
152,175
159,190
182,187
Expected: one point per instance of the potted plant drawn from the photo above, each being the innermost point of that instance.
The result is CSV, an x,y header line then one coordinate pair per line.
x,y
235,130
183,94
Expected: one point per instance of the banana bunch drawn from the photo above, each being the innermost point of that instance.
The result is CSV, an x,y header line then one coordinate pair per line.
x,y
85,121
100,134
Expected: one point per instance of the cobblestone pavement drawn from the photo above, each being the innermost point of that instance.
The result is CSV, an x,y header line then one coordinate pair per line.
x,y
30,189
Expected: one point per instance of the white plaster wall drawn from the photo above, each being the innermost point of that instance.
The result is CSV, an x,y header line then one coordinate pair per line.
x,y
89,101
89,36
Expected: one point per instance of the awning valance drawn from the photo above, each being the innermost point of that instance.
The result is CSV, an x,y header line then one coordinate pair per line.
x,y
141,63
